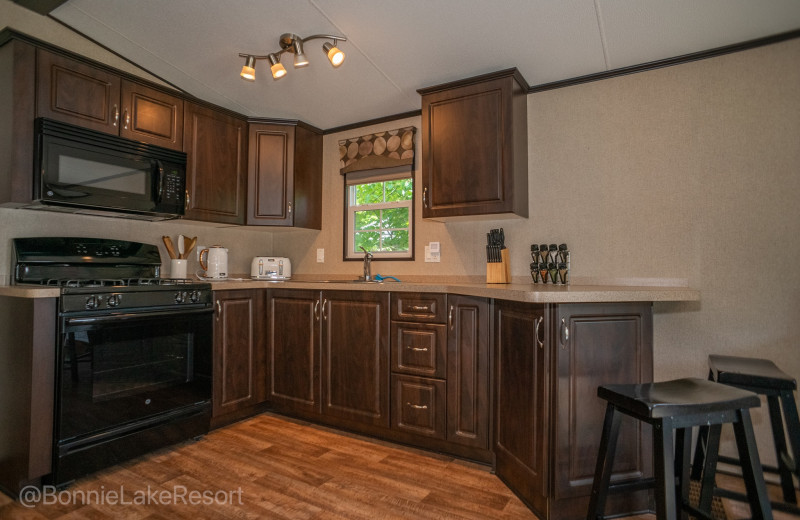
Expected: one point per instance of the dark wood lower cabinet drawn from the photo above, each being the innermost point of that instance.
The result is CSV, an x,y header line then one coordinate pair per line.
x,y
355,356
293,339
548,418
239,355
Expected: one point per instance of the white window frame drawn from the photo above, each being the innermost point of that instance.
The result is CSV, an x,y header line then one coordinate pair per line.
x,y
354,179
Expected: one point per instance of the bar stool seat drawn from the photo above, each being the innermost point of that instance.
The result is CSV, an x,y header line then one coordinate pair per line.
x,y
673,408
763,377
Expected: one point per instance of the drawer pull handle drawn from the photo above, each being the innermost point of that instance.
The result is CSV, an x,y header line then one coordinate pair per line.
x,y
417,349
418,406
420,308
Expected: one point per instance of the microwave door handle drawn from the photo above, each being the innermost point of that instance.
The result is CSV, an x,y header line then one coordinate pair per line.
x,y
158,172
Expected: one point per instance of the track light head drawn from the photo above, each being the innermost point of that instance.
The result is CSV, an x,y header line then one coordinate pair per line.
x,y
277,69
249,71
335,56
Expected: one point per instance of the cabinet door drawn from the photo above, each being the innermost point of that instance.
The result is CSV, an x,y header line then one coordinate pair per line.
x,y
468,371
474,155
77,93
355,356
151,116
215,173
597,344
271,175
521,401
239,367
293,383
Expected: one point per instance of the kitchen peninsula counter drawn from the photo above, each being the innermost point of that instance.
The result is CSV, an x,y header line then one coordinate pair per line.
x,y
519,292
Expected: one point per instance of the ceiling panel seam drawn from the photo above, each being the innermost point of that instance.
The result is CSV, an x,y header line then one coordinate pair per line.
x,y
602,32
366,56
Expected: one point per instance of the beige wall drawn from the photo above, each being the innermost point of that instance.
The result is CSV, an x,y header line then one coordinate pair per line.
x,y
688,174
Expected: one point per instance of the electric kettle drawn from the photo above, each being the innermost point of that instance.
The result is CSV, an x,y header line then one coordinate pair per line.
x,y
214,262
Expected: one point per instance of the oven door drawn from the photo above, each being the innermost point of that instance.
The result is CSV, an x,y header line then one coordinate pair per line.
x,y
117,372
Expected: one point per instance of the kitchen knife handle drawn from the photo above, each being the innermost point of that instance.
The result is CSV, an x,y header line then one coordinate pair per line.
x,y
536,331
316,310
425,197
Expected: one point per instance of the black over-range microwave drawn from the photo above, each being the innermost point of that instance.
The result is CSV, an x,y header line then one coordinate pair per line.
x,y
85,171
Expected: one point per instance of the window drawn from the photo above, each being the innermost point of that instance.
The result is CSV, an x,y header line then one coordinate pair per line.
x,y
379,216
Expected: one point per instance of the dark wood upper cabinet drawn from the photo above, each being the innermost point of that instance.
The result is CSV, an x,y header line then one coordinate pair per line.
x,y
239,354
475,147
293,339
75,92
215,143
355,356
284,176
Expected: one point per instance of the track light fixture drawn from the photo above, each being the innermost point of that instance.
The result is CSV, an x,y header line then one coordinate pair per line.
x,y
294,44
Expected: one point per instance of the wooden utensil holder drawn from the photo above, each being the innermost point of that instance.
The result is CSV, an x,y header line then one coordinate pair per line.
x,y
499,272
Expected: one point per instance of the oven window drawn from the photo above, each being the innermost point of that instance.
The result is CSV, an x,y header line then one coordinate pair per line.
x,y
113,373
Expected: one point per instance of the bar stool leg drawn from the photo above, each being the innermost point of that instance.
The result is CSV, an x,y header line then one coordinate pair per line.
x,y
664,468
793,425
700,453
785,472
605,461
709,468
683,445
760,508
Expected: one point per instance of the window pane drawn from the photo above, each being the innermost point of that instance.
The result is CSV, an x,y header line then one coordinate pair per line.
x,y
401,189
368,219
395,240
370,240
394,218
369,193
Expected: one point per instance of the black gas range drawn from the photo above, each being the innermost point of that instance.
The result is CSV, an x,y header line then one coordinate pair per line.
x,y
133,356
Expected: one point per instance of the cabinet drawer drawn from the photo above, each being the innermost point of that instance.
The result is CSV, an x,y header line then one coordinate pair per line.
x,y
425,307
419,349
418,406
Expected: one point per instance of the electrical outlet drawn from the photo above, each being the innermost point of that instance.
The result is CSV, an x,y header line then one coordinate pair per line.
x,y
320,255
432,252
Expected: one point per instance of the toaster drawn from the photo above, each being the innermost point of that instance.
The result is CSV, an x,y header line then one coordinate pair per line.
x,y
271,268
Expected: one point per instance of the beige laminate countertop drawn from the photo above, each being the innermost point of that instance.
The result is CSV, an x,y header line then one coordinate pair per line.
x,y
515,292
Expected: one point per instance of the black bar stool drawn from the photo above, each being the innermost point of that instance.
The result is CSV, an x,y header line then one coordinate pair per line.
x,y
673,408
763,377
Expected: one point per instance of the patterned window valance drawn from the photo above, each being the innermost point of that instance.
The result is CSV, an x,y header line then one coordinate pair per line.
x,y
388,149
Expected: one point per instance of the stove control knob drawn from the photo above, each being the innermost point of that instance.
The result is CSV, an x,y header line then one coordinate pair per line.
x,y
92,302
113,300
180,297
194,296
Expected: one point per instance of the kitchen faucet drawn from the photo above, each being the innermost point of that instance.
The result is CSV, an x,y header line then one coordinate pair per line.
x,y
367,265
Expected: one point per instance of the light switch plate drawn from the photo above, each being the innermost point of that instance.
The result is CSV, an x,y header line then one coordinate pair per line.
x,y
432,253
320,255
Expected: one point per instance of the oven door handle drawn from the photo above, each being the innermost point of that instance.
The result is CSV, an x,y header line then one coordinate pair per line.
x,y
116,318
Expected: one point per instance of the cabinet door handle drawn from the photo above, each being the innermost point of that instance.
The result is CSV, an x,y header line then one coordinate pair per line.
x,y
186,201
450,317
219,310
290,208
425,197
324,313
418,406
564,333
127,119
316,310
417,349
536,331
116,114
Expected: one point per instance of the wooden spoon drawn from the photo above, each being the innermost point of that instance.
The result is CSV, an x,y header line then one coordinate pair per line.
x,y
188,245
170,248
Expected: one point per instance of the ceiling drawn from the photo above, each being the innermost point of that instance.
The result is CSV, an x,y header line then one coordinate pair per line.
x,y
395,47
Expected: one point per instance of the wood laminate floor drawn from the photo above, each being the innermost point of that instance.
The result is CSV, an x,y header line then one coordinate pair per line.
x,y
276,468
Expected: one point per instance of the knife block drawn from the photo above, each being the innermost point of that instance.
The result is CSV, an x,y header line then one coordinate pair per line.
x,y
499,272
